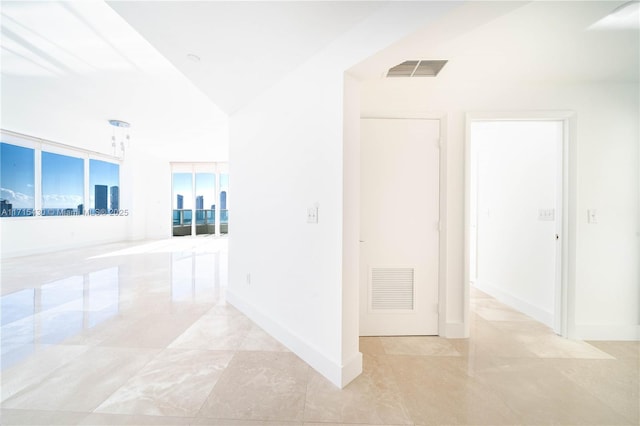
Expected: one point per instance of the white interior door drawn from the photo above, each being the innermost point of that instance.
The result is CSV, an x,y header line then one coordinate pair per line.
x,y
399,227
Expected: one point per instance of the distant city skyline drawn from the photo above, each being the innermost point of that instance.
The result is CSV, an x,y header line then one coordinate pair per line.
x,y
192,186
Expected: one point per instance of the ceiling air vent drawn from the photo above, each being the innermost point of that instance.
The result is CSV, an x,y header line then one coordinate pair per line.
x,y
416,69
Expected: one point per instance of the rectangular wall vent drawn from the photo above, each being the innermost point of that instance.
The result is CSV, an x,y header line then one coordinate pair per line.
x,y
417,69
392,288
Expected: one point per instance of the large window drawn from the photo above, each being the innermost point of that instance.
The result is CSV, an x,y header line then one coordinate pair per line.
x,y
17,180
62,185
104,187
41,178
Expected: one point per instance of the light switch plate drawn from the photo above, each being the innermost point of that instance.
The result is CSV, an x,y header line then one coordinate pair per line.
x,y
547,214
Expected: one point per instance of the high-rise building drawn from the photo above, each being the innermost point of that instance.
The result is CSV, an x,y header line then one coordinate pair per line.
x,y
80,209
115,198
180,201
223,200
199,202
101,198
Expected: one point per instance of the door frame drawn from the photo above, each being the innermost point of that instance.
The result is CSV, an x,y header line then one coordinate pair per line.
x,y
442,199
564,300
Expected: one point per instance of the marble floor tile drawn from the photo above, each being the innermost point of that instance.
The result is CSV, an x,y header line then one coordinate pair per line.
x,y
371,346
36,368
109,328
259,340
214,332
83,384
175,383
418,345
235,422
373,397
105,419
39,418
438,391
487,340
153,331
348,424
619,350
141,334
612,382
552,346
224,308
514,328
534,390
260,386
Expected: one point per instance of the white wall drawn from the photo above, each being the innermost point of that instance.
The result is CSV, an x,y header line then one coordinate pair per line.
x,y
605,272
148,181
171,120
24,236
516,177
287,154
55,109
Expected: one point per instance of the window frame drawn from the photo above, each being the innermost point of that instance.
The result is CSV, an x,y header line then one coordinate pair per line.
x,y
42,145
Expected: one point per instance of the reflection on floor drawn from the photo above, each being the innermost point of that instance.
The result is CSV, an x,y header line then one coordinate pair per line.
x,y
141,334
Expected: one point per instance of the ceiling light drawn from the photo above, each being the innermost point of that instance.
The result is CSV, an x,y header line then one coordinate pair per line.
x,y
119,123
193,58
119,137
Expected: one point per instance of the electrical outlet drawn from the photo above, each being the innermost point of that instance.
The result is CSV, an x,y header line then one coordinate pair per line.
x,y
312,214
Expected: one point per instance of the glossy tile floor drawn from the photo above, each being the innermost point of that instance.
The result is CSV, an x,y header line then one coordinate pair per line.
x,y
140,334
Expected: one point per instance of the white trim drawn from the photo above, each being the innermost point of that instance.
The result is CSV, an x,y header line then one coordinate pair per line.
x,y
521,305
339,374
566,204
351,369
607,332
27,141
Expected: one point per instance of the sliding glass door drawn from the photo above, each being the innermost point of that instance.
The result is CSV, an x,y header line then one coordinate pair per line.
x,y
199,198
182,204
205,203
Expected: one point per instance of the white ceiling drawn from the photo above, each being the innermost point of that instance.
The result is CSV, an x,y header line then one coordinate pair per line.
x,y
81,63
128,59
536,41
245,46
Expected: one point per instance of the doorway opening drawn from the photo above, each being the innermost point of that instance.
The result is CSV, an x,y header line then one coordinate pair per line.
x,y
516,214
199,193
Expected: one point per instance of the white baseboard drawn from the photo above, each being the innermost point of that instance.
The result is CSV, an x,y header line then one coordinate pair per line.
x,y
607,332
516,303
337,373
